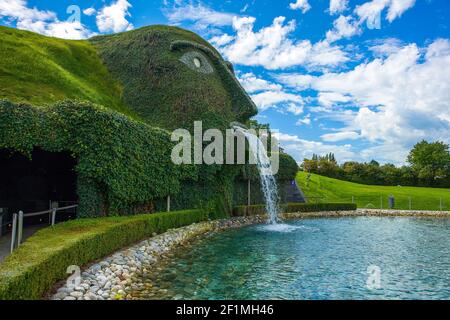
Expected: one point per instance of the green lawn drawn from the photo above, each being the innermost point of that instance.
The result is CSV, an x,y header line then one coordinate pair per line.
x,y
42,70
324,189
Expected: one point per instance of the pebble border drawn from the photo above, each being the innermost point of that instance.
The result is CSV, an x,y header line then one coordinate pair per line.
x,y
112,278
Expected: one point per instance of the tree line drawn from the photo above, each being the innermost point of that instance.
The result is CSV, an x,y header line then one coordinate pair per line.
x,y
428,164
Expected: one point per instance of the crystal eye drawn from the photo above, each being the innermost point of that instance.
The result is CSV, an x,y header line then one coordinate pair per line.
x,y
197,61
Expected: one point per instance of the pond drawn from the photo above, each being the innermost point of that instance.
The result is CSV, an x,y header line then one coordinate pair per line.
x,y
325,258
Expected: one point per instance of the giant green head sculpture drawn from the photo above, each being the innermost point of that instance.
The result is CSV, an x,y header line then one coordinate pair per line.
x,y
172,77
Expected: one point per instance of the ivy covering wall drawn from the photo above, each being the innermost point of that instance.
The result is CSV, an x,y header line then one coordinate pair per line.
x,y
123,146
122,163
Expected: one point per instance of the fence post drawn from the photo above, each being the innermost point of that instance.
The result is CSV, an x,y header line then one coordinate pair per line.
x,y
440,204
13,233
1,223
53,216
248,192
409,198
20,228
381,202
168,203
353,199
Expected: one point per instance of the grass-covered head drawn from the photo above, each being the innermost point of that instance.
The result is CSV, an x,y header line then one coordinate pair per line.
x,y
173,77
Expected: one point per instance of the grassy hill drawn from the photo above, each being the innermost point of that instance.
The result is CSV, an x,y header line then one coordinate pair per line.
x,y
324,189
41,70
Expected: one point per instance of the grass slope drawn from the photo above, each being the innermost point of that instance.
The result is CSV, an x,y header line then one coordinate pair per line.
x,y
40,70
324,189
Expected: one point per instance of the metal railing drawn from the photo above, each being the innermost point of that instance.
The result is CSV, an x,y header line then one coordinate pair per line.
x,y
17,223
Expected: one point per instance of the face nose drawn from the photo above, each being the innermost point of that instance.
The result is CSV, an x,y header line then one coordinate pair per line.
x,y
243,105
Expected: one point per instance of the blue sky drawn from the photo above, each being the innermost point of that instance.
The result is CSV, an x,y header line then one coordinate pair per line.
x,y
365,79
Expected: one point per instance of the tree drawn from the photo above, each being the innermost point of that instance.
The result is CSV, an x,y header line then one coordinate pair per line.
x,y
431,162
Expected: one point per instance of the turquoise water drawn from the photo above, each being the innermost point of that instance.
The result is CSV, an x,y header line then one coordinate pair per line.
x,y
313,259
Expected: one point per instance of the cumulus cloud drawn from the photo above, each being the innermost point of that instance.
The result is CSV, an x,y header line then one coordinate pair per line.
x,y
43,22
113,17
302,5
343,27
221,40
267,94
301,148
371,10
269,99
386,153
328,99
401,98
339,136
385,47
294,108
89,11
202,15
338,6
272,47
252,84
304,121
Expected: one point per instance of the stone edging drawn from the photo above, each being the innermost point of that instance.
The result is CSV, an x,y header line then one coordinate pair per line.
x,y
366,212
112,277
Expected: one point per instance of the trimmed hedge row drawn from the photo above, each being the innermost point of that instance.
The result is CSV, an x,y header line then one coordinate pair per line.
x,y
43,259
259,209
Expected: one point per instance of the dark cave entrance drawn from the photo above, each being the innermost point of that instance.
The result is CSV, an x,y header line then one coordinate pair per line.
x,y
31,185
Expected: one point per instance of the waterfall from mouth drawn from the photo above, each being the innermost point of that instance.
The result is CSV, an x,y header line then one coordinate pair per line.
x,y
268,182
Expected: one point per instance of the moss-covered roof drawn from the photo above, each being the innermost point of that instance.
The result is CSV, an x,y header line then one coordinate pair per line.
x,y
139,73
41,70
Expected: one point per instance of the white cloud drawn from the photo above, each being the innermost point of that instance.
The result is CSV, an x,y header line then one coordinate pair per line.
x,y
386,153
284,137
397,7
328,99
338,6
304,121
385,47
339,136
113,17
60,29
401,98
89,11
269,99
199,13
252,84
221,40
295,80
302,5
272,48
294,108
43,22
301,148
343,27
370,10
18,9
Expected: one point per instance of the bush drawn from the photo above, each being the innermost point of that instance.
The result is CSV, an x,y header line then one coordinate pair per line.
x,y
260,209
43,259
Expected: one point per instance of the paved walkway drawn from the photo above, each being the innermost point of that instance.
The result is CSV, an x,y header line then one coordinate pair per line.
x,y
5,240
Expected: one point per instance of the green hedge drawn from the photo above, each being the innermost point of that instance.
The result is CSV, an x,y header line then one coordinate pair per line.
x,y
260,209
43,259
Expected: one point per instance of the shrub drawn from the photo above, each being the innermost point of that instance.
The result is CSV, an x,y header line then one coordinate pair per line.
x,y
43,259
259,209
